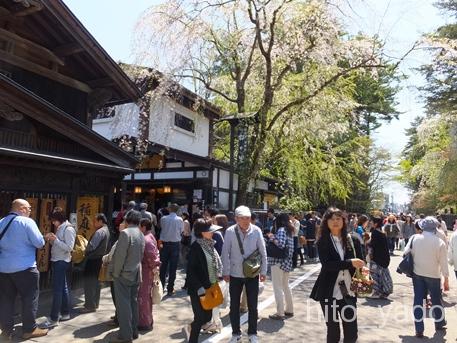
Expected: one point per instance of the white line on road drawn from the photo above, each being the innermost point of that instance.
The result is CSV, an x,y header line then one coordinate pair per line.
x,y
227,330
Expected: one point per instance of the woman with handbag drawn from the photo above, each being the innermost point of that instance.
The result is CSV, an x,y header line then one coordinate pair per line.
x,y
149,267
332,287
203,271
282,238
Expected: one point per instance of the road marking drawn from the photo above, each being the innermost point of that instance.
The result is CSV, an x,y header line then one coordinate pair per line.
x,y
227,330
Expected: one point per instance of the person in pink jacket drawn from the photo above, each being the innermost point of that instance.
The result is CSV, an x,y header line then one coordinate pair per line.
x,y
150,265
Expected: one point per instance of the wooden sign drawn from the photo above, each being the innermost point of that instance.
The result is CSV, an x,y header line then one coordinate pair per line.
x,y
45,227
34,204
87,208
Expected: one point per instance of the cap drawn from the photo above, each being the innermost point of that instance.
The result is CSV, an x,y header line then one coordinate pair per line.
x,y
429,224
242,211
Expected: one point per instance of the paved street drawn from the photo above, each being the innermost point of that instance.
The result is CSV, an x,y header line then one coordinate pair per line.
x,y
379,320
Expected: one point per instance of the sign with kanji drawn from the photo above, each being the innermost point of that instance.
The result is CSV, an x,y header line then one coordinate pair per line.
x,y
45,227
86,209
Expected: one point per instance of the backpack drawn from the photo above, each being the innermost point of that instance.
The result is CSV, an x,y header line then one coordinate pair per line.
x,y
79,250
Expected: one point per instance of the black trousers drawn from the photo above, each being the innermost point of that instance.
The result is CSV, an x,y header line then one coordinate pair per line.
x,y
25,284
334,310
91,283
201,317
252,292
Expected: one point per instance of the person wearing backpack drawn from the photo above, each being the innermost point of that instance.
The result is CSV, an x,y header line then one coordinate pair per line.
x,y
96,249
282,237
62,242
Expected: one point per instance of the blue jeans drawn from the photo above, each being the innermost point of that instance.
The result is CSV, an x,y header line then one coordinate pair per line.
x,y
60,292
169,256
391,244
421,285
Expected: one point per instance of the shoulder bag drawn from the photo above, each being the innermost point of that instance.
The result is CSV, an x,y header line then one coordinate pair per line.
x,y
406,266
251,264
276,252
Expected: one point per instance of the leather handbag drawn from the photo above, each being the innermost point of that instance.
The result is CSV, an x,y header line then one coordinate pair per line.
x,y
406,266
102,275
276,252
251,264
213,297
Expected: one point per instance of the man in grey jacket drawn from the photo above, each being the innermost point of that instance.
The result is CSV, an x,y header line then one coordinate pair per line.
x,y
126,271
232,261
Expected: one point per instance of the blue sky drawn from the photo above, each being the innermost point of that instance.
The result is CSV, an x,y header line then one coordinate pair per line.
x,y
399,22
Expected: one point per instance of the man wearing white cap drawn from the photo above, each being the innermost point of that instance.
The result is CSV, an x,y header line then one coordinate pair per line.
x,y
430,263
244,262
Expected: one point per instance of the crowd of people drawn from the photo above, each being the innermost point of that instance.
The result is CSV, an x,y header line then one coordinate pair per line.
x,y
228,254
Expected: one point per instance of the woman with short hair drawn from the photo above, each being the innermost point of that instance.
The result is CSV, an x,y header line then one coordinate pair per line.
x,y
62,242
338,254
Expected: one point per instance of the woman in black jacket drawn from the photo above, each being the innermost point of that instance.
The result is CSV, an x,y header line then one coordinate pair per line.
x,y
379,259
203,270
332,287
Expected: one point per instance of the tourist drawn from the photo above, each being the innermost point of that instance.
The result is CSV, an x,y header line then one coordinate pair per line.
x,y
430,264
407,229
233,256
392,232
19,239
126,272
203,270
332,288
379,258
96,249
62,243
172,227
282,236
149,267
452,251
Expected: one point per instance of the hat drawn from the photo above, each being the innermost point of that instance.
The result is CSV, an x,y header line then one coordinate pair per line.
x,y
242,211
213,228
429,224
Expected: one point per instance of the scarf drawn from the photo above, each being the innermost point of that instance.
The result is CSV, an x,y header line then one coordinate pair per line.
x,y
212,258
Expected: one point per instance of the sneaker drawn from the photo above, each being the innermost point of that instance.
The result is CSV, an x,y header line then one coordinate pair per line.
x,y
87,310
235,339
49,323
186,332
35,333
253,339
276,317
212,328
64,317
289,314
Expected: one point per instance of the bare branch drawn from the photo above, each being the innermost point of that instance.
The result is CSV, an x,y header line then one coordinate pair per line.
x,y
207,86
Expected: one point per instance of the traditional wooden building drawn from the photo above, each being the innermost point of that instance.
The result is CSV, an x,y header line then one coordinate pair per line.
x,y
53,77
178,165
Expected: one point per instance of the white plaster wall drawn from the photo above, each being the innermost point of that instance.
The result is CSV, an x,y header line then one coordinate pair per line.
x,y
163,131
125,122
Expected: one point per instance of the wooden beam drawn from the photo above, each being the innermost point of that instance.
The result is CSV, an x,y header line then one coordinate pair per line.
x,y
26,44
68,49
40,70
101,83
34,6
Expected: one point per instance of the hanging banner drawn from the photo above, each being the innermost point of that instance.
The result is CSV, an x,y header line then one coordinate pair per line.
x,y
62,203
87,208
34,204
45,227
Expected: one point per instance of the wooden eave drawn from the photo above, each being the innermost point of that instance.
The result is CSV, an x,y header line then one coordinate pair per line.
x,y
31,105
49,31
